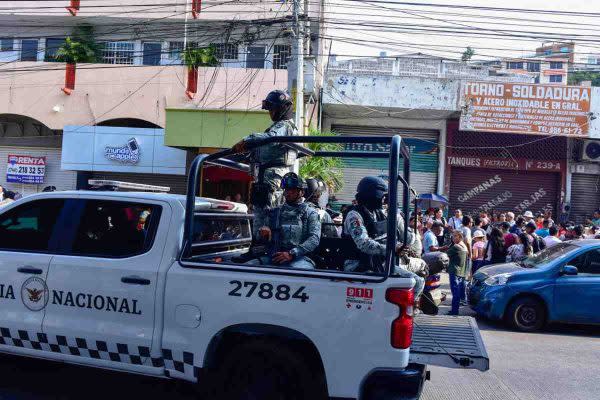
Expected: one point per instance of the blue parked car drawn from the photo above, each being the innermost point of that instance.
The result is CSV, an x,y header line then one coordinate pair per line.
x,y
558,284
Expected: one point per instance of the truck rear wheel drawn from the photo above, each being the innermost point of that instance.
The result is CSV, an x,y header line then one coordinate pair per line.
x,y
267,370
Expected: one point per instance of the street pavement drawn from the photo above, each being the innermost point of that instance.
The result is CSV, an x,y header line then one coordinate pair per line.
x,y
561,363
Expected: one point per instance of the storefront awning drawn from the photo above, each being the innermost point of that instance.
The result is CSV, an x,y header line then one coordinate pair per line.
x,y
211,128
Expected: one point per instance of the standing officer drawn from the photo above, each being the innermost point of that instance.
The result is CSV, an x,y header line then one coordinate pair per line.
x,y
364,223
294,229
314,189
272,161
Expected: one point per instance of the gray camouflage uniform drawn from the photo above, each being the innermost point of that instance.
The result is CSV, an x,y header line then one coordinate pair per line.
x,y
354,226
327,227
299,233
277,160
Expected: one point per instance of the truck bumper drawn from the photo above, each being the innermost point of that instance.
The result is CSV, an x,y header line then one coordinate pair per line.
x,y
405,384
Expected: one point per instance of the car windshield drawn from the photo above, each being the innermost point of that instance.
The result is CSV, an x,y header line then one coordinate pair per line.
x,y
549,254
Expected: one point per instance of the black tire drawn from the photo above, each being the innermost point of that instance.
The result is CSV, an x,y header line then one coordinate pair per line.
x,y
267,370
526,314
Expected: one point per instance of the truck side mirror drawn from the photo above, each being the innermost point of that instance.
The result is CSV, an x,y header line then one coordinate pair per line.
x,y
569,270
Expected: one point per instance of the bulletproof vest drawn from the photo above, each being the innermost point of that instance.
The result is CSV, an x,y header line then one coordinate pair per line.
x,y
289,226
376,227
276,154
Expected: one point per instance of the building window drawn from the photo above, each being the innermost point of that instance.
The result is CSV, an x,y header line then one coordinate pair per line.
x,y
256,57
152,53
556,78
29,50
6,44
281,56
533,66
118,53
52,46
514,65
556,65
175,50
537,79
225,51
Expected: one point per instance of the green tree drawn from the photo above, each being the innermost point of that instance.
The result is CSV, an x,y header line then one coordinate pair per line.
x,y
80,47
467,54
195,57
575,78
327,169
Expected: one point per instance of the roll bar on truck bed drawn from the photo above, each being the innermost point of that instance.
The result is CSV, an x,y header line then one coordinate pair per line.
x,y
398,150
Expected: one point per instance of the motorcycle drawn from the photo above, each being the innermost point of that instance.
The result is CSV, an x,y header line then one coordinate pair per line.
x,y
432,295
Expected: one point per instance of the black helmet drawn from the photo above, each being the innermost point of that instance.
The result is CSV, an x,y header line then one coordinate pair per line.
x,y
370,192
314,188
276,100
291,180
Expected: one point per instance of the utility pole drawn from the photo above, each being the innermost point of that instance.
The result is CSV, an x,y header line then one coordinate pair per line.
x,y
298,84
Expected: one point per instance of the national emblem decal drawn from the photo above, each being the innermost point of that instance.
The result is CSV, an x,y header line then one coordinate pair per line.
x,y
34,294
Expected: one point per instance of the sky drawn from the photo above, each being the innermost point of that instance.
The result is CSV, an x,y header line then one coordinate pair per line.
x,y
490,33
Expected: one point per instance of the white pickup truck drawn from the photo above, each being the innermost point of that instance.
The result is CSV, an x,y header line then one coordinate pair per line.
x,y
113,280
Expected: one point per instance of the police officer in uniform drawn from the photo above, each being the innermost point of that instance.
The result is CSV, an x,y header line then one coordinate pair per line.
x,y
314,190
364,223
270,162
294,229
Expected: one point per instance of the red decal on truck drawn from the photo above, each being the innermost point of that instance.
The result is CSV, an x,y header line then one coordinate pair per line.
x,y
358,297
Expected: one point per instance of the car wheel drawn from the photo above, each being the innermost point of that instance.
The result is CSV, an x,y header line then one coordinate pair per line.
x,y
526,314
267,370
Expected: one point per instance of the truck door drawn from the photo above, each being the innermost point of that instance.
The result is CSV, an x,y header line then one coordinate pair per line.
x,y
27,241
103,286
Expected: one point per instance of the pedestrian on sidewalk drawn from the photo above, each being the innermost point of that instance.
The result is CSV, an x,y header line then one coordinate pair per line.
x,y
509,238
457,253
455,222
520,250
544,230
467,223
536,242
478,251
528,215
510,218
552,238
517,228
495,251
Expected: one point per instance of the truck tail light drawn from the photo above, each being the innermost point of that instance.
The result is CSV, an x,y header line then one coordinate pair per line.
x,y
402,327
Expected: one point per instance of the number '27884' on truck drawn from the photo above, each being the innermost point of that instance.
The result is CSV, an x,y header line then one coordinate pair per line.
x,y
146,283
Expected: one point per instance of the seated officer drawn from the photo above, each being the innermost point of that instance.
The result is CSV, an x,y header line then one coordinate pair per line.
x,y
314,190
365,227
294,229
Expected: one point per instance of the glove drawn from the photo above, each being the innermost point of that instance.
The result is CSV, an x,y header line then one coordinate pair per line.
x,y
239,147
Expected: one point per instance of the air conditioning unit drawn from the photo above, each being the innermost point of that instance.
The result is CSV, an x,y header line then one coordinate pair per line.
x,y
591,151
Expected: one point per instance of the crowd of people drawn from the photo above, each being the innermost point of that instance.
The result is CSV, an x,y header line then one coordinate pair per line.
x,y
472,242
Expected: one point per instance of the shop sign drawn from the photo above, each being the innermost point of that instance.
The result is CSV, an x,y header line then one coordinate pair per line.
x,y
128,154
518,164
526,108
25,169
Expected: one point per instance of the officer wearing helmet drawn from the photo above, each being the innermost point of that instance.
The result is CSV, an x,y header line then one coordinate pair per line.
x,y
270,162
364,223
314,190
293,230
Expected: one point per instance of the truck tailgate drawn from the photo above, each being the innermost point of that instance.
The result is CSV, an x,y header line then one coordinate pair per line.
x,y
448,341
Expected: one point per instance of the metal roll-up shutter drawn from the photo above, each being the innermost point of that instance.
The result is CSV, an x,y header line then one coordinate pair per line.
x,y
474,190
423,146
177,183
585,196
54,176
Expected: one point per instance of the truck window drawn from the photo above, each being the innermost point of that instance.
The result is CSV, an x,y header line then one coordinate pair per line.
x,y
29,226
115,229
219,233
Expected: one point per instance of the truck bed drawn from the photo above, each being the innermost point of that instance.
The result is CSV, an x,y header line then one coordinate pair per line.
x,y
448,341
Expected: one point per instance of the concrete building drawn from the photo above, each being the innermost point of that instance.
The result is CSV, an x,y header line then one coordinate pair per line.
x,y
412,95
140,78
421,98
